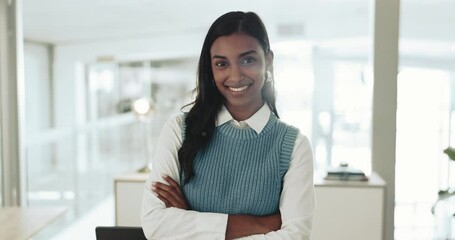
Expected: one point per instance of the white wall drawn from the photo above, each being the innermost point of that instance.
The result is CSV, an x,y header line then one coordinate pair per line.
x,y
38,95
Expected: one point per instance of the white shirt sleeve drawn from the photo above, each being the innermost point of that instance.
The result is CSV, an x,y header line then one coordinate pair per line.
x,y
297,201
159,222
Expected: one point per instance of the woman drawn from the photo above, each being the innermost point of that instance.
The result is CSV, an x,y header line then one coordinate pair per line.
x,y
229,168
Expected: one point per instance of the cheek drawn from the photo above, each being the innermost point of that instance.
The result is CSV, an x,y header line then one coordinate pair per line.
x,y
256,73
217,77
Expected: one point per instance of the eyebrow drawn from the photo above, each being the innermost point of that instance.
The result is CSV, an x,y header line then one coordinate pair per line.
x,y
241,55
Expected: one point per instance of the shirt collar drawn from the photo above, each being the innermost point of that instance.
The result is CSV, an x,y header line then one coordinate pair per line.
x,y
257,122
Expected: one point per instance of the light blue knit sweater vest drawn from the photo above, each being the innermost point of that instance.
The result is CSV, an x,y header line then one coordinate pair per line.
x,y
240,171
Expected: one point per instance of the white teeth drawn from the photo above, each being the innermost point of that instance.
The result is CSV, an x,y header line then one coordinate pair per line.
x,y
238,89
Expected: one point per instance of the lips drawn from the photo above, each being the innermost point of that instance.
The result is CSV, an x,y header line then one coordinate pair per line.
x,y
238,89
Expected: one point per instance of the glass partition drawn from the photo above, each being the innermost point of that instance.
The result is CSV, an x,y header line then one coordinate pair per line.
x,y
75,166
425,123
325,89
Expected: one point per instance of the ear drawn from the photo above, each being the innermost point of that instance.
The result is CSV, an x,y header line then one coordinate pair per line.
x,y
269,61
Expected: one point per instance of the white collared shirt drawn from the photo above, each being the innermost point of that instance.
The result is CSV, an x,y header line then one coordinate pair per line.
x,y
296,201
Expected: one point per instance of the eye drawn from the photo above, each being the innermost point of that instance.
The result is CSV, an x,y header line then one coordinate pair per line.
x,y
221,64
248,60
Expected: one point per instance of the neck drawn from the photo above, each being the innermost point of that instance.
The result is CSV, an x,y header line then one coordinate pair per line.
x,y
242,113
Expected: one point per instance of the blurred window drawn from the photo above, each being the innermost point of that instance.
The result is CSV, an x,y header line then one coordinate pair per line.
x,y
425,120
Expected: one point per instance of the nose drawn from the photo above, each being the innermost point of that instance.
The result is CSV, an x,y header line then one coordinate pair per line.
x,y
236,73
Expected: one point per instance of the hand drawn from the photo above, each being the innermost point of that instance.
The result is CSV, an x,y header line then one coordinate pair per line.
x,y
170,194
271,222
245,225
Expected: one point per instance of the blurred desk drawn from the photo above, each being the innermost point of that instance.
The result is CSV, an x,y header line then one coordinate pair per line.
x,y
20,223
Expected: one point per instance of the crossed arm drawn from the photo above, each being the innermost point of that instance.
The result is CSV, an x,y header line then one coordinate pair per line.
x,y
165,217
237,225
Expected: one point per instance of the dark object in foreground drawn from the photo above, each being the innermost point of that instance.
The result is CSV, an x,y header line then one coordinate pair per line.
x,y
119,233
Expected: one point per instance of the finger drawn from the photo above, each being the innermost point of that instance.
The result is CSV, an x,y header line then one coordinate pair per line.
x,y
166,192
165,201
171,194
175,192
173,183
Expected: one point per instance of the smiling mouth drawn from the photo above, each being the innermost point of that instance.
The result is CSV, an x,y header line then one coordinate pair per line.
x,y
239,89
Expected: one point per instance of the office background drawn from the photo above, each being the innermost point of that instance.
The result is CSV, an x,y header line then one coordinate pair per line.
x,y
340,79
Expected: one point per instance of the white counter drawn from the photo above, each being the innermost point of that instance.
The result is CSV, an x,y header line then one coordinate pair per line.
x,y
349,210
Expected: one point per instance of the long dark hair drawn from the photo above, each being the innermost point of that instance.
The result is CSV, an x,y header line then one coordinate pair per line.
x,y
201,119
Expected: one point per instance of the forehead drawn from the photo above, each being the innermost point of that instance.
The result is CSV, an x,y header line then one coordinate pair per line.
x,y
234,44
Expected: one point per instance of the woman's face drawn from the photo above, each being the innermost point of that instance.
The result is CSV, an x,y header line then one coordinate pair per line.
x,y
239,65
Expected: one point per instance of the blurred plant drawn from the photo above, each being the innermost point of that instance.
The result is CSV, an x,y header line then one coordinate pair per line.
x,y
450,151
447,193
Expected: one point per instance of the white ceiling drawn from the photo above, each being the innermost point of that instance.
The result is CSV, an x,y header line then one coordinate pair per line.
x,y
82,21
71,21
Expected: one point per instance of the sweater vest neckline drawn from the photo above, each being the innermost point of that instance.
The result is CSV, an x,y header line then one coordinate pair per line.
x,y
249,133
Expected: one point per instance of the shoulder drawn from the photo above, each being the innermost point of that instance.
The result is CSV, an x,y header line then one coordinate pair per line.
x,y
172,132
295,135
302,147
177,119
290,129
302,140
175,123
